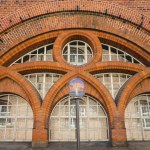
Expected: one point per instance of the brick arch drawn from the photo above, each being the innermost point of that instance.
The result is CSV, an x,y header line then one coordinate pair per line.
x,y
27,46
107,8
89,89
85,36
28,30
113,66
16,52
108,102
31,67
127,90
141,88
24,89
125,45
7,85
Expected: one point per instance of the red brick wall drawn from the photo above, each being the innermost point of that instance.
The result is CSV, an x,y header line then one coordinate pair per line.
x,y
8,6
20,36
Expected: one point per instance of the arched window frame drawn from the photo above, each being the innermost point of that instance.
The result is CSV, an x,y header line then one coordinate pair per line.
x,y
37,55
16,120
117,55
137,118
91,108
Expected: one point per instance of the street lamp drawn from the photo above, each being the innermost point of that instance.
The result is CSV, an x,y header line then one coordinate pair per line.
x,y
77,90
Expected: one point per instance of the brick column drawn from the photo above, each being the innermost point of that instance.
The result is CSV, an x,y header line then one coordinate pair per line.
x,y
118,133
118,137
40,132
40,138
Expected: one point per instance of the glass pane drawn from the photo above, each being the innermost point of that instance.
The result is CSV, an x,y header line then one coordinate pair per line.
x,y
40,57
49,47
73,58
76,49
32,78
41,51
40,78
105,47
81,43
128,58
81,59
114,58
49,58
73,50
73,43
113,50
65,51
26,58
81,50
89,50
33,58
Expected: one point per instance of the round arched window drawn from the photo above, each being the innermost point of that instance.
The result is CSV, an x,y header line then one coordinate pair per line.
x,y
93,120
77,52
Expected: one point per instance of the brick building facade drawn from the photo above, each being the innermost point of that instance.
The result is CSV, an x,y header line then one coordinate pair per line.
x,y
46,43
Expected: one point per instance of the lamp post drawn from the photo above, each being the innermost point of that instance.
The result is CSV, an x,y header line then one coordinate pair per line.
x,y
77,90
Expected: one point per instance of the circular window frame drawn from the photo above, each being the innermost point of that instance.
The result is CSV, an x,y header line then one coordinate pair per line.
x,y
68,36
75,54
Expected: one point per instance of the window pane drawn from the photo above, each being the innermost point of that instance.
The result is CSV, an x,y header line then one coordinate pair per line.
x,y
92,119
77,52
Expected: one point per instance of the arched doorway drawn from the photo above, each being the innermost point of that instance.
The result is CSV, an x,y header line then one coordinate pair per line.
x,y
93,121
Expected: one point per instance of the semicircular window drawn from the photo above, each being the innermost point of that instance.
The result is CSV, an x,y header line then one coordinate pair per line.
x,y
93,120
112,81
111,53
43,81
43,53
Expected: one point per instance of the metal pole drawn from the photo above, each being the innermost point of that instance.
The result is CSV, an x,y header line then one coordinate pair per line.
x,y
77,124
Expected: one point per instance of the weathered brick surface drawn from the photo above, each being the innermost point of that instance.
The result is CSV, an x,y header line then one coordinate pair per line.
x,y
30,29
35,42
9,6
35,25
128,89
93,88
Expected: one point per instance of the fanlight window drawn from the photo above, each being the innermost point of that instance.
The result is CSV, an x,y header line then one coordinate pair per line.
x,y
111,53
77,52
93,121
16,119
112,81
137,118
43,53
43,81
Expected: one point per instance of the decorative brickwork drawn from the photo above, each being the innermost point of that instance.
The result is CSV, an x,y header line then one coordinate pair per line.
x,y
94,22
8,6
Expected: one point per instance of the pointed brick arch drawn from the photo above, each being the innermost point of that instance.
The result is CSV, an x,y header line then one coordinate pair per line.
x,y
108,102
15,81
127,91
